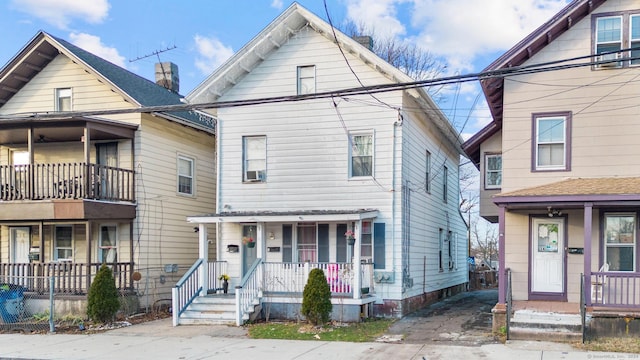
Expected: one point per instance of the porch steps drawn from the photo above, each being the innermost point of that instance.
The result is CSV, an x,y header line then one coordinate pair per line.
x,y
545,326
210,310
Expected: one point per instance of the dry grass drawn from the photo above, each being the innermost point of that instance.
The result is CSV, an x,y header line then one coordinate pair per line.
x,y
624,345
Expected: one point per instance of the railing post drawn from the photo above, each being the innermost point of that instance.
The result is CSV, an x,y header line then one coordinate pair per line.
x,y
238,307
175,307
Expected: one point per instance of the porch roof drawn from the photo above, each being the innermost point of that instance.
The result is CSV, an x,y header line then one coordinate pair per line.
x,y
285,216
612,190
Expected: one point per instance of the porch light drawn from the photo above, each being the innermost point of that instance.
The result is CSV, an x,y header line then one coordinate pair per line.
x,y
553,212
272,236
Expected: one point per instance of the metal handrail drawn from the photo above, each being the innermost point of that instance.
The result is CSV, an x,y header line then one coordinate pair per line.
x,y
583,307
186,290
509,301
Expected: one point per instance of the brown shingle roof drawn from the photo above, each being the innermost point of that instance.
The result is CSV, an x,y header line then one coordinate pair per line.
x,y
581,186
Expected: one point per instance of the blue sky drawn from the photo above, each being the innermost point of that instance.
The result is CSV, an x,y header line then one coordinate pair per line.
x,y
466,34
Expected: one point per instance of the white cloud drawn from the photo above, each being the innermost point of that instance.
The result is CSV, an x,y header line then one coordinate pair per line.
x,y
94,45
379,16
277,4
211,53
60,13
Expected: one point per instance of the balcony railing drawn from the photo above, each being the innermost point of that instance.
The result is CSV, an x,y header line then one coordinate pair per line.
x,y
66,181
70,278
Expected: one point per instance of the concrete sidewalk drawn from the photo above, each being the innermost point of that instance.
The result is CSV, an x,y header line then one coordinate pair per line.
x,y
159,340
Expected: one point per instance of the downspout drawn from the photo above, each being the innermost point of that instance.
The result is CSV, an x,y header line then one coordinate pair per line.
x,y
397,123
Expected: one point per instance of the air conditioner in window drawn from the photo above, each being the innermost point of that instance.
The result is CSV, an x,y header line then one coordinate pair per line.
x,y
257,175
608,60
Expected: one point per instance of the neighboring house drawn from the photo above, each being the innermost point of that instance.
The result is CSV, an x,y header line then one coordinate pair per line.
x,y
295,176
79,190
558,163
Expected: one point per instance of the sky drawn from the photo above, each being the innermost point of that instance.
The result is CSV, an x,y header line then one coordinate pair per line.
x,y
199,35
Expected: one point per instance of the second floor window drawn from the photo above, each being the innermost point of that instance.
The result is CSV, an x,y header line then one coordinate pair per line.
x,y
185,175
63,99
493,171
551,148
427,175
306,80
445,183
254,154
613,33
361,155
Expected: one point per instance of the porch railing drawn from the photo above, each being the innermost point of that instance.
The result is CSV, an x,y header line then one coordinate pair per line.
x,y
249,292
292,277
615,290
186,289
66,181
70,278
216,268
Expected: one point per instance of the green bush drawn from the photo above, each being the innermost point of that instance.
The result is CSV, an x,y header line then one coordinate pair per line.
x,y
316,298
103,300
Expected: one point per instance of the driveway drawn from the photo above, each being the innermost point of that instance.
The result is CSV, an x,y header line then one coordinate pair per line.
x,y
463,319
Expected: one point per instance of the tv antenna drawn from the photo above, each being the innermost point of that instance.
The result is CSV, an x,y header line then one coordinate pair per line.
x,y
155,52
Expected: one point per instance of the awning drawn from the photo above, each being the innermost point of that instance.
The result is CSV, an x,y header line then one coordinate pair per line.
x,y
284,216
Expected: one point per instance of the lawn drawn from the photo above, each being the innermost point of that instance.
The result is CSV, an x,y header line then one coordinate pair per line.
x,y
626,345
368,330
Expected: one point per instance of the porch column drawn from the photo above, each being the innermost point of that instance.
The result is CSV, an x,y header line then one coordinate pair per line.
x,y
502,278
261,240
588,216
203,253
89,239
357,264
86,142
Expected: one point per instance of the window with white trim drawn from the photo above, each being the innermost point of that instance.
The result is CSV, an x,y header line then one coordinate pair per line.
x,y
613,33
307,244
445,183
254,154
63,243
620,241
551,145
63,99
185,175
441,249
361,154
306,79
492,171
427,174
366,243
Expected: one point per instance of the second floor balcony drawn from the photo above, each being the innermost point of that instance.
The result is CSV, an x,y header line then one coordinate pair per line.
x,y
66,181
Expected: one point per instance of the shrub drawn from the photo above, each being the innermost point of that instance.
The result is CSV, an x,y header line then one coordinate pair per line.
x,y
103,301
316,298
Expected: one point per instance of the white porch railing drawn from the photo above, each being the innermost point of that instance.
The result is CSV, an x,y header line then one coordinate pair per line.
x,y
189,287
292,277
249,292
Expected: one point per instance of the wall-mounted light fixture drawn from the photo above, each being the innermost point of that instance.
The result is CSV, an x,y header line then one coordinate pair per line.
x,y
272,236
553,212
196,229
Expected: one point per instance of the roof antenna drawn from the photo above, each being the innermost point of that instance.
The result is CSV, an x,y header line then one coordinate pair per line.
x,y
167,78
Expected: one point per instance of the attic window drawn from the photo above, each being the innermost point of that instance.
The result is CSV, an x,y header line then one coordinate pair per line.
x,y
63,99
306,79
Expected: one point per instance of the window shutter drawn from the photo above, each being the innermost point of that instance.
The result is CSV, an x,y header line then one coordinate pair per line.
x,y
323,242
287,236
341,243
379,252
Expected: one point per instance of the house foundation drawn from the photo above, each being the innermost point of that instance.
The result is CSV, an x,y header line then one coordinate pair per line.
x,y
400,308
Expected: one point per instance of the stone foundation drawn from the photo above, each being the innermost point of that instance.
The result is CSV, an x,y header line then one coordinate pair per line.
x,y
612,324
499,322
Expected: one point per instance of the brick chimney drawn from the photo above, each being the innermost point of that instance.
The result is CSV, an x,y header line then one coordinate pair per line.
x,y
167,76
366,41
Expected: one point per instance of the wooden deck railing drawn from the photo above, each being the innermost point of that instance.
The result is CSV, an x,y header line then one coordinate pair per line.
x,y
70,278
615,289
66,181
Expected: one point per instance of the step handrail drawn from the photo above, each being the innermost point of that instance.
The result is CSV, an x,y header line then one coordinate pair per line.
x,y
186,290
249,291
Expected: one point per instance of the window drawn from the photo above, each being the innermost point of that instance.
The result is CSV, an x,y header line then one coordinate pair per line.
x,y
108,244
441,249
307,246
613,33
620,241
427,175
306,80
445,183
450,249
63,249
185,175
361,155
63,99
255,158
552,139
366,248
492,171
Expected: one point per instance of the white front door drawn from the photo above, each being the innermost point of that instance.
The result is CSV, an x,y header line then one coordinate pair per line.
x,y
20,246
547,260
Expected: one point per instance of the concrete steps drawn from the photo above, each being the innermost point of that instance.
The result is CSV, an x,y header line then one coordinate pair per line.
x,y
210,310
545,326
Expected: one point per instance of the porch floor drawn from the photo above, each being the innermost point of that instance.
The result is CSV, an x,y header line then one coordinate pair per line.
x,y
547,306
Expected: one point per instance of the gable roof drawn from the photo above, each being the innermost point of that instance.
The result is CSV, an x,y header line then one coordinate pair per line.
x,y
278,32
524,50
43,48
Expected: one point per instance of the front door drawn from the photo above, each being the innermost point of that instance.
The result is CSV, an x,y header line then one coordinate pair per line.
x,y
249,252
547,260
20,246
